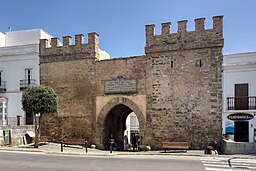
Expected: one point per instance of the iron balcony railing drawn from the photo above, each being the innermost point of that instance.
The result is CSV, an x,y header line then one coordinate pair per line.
x,y
2,86
242,103
26,83
16,121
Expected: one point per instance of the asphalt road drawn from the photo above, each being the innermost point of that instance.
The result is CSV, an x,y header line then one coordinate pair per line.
x,y
13,161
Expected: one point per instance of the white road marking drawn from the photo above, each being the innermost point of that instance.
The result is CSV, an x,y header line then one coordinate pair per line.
x,y
228,164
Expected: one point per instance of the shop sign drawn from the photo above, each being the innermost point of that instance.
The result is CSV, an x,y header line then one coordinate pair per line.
x,y
240,116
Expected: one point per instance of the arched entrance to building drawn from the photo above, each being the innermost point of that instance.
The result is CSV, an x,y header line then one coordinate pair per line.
x,y
115,125
112,121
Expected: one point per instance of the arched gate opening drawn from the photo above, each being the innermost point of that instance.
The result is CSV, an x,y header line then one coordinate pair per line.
x,y
112,121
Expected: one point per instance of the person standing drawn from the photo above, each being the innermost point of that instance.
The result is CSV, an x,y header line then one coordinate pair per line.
x,y
125,143
134,142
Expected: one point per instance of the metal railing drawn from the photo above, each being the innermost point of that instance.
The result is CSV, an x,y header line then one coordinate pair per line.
x,y
2,86
16,121
241,103
26,83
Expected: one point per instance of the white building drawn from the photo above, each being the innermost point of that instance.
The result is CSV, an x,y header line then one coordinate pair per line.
x,y
132,126
19,68
239,97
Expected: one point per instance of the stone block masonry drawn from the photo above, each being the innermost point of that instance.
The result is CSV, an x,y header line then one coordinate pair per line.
x,y
179,76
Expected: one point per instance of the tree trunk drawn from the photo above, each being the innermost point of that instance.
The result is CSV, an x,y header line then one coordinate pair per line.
x,y
36,131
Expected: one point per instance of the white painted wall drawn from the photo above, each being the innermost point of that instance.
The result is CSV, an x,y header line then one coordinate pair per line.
x,y
132,123
21,51
103,55
25,37
237,69
2,39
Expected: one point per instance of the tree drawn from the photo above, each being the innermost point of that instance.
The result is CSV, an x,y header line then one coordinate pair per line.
x,y
39,100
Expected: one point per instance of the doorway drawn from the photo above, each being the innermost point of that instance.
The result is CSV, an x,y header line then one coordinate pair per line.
x,y
241,131
115,126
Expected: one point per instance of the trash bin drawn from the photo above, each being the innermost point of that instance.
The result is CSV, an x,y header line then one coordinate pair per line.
x,y
7,137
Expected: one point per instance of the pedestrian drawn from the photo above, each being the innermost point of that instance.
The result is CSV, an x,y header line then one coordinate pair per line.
x,y
111,143
126,143
134,142
138,143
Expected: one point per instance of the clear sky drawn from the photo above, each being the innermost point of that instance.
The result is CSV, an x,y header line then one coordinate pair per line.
x,y
121,23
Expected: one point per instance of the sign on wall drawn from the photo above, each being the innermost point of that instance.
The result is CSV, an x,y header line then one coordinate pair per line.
x,y
120,85
240,116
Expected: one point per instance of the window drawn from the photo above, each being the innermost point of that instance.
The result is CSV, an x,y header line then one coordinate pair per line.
x,y
1,77
3,111
171,64
28,75
28,81
2,82
199,63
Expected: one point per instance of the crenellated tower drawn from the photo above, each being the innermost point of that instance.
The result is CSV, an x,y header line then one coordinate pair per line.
x,y
55,51
184,93
184,39
70,70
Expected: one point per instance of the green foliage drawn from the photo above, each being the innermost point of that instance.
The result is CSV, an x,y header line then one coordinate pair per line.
x,y
39,99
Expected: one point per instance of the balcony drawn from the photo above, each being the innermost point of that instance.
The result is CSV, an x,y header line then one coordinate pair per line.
x,y
24,84
242,103
2,86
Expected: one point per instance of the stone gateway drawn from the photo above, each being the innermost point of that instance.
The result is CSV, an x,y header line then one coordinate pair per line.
x,y
175,89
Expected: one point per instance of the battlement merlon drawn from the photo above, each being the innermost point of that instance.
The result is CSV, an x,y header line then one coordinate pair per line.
x,y
55,50
183,39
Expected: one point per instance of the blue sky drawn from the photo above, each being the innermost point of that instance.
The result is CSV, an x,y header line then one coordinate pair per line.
x,y
121,23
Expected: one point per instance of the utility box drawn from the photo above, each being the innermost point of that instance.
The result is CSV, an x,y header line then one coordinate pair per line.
x,y
7,137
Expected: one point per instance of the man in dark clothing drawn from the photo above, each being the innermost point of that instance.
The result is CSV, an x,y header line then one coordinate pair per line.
x,y
134,142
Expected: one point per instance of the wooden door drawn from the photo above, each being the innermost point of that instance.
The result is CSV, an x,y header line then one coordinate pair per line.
x,y
241,96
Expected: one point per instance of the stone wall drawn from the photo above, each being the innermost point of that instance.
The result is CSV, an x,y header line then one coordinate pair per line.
x,y
17,134
70,70
178,81
184,93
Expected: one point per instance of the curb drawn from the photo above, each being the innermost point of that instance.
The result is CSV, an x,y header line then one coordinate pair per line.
x,y
100,154
21,150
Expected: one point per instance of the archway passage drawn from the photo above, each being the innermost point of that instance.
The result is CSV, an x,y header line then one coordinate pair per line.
x,y
115,125
112,118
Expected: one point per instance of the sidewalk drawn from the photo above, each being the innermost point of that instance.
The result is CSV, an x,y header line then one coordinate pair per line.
x,y
55,148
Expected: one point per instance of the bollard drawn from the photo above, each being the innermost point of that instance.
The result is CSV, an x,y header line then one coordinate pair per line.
x,y
86,145
61,146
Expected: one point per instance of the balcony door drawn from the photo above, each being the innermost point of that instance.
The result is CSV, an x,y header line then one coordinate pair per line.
x,y
241,96
28,75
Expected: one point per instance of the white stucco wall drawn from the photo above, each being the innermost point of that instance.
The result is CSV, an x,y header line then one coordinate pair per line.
x,y
21,52
103,55
25,37
2,39
238,69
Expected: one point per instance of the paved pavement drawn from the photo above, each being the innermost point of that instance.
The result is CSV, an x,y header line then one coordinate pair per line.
x,y
55,148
